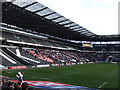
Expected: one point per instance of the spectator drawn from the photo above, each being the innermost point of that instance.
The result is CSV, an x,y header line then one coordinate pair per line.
x,y
25,86
8,86
4,82
17,86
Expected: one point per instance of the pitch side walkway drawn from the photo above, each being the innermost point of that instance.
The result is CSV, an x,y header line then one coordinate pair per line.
x,y
48,85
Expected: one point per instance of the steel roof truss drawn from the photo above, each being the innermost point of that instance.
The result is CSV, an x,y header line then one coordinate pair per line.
x,y
56,18
29,5
63,21
49,14
40,10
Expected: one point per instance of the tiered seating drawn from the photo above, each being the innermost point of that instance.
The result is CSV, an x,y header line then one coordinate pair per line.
x,y
88,48
7,60
31,39
26,53
31,57
14,56
40,56
24,58
47,56
8,36
24,38
13,50
116,58
57,56
107,48
39,41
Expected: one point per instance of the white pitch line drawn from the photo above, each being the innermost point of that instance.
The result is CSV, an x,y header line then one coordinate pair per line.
x,y
102,84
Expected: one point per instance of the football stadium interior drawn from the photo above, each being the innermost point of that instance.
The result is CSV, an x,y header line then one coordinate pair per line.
x,y
34,36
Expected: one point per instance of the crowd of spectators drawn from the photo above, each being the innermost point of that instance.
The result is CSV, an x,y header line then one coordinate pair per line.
x,y
59,56
9,85
64,56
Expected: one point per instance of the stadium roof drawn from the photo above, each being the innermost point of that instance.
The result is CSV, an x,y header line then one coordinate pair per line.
x,y
37,17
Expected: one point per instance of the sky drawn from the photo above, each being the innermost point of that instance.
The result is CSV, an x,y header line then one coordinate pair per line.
x,y
98,16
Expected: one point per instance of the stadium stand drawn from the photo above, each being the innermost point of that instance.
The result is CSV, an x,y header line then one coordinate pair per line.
x,y
8,36
24,62
35,36
24,38
8,60
107,47
31,55
104,48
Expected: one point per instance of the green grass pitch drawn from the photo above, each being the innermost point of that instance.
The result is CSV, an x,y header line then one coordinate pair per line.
x,y
86,75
